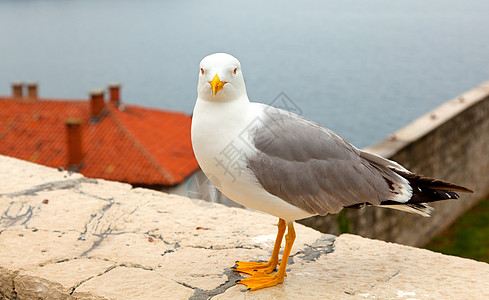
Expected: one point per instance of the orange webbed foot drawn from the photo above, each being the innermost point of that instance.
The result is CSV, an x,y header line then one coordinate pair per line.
x,y
259,271
251,267
261,280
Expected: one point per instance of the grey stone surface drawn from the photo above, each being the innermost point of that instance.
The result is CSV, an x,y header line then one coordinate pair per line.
x,y
68,237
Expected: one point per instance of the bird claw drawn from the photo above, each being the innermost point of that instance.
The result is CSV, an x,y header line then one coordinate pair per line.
x,y
252,268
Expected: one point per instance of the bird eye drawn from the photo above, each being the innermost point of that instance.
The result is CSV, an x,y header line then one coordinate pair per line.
x,y
235,69
202,71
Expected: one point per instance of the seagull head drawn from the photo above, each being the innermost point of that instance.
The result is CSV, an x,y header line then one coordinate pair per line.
x,y
220,78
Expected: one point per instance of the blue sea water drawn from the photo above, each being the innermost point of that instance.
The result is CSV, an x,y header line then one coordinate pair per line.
x,y
361,68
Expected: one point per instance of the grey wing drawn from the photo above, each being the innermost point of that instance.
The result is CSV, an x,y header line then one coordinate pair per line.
x,y
313,168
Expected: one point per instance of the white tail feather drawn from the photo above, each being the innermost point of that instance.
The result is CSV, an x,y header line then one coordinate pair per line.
x,y
422,209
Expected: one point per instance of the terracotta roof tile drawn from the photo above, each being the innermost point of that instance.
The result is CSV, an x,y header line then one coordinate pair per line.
x,y
135,145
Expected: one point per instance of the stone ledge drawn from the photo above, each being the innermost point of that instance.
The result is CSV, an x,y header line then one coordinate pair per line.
x,y
63,236
429,121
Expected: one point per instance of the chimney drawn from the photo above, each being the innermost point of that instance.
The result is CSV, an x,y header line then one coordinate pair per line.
x,y
97,104
74,143
17,89
115,93
32,90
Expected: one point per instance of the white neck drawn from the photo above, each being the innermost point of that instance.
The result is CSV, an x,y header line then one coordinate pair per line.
x,y
225,121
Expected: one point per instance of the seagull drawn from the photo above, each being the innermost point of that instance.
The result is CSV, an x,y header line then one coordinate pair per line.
x,y
280,163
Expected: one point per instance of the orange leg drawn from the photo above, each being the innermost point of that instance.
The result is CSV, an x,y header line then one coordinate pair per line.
x,y
252,267
261,280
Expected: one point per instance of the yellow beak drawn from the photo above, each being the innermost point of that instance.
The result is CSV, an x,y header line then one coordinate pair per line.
x,y
216,85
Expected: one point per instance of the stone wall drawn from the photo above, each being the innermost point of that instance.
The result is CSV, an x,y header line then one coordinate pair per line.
x,y
63,236
452,143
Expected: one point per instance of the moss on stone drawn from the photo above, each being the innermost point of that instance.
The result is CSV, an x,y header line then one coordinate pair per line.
x,y
468,237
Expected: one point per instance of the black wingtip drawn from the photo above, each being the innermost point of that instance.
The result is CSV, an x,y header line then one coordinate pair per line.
x,y
432,183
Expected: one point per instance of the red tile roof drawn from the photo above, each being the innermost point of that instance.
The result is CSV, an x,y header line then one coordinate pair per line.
x,y
135,145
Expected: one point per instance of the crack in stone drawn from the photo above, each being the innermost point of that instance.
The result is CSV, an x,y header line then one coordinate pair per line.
x,y
392,276
79,191
10,220
250,248
200,294
28,215
53,231
26,211
3,296
14,292
97,243
322,246
158,237
213,247
99,216
51,186
400,267
55,261
137,266
127,265
221,248
395,273
73,288
136,208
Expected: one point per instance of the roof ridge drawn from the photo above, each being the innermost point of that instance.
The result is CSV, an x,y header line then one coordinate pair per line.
x,y
140,147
